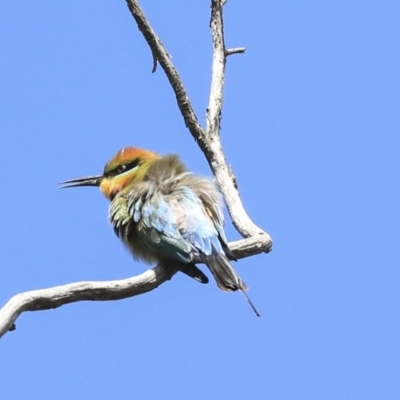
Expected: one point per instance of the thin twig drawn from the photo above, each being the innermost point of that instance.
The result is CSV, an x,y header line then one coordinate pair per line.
x,y
235,50
159,51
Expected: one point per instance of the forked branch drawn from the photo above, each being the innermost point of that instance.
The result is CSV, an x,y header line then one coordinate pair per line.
x,y
256,240
208,139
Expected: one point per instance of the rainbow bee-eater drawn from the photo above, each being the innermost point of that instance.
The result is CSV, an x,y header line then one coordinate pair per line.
x,y
165,214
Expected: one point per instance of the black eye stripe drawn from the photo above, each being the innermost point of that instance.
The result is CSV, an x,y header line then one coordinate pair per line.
x,y
119,169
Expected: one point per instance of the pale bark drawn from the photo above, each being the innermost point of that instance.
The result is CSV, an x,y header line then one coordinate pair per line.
x,y
256,240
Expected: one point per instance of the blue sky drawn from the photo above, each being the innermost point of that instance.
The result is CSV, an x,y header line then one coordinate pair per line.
x,y
311,127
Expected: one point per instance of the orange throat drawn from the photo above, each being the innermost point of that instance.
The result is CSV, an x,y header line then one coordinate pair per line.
x,y
111,187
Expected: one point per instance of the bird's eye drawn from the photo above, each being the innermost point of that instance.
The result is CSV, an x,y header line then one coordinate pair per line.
x,y
121,169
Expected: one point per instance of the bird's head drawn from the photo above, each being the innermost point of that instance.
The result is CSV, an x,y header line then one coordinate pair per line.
x,y
127,167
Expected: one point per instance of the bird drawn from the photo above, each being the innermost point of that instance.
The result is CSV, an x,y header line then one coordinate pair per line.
x,y
164,213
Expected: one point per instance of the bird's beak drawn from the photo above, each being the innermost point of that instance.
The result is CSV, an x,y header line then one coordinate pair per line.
x,y
88,181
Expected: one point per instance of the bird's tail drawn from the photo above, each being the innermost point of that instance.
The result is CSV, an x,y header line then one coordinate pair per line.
x,y
192,271
188,269
226,277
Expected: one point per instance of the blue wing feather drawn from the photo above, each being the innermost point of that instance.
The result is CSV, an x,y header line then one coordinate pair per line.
x,y
176,226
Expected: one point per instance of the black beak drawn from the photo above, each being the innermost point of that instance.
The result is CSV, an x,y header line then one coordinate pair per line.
x,y
88,181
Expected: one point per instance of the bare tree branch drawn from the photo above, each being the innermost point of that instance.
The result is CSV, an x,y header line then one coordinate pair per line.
x,y
209,139
45,299
57,296
256,240
215,156
160,53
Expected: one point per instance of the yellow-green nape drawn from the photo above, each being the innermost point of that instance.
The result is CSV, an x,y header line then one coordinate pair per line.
x,y
128,155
